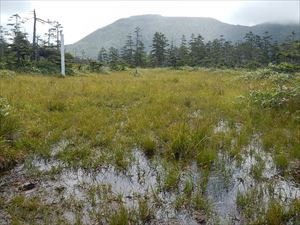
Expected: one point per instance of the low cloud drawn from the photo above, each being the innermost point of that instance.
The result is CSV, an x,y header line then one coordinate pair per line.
x,y
88,16
255,12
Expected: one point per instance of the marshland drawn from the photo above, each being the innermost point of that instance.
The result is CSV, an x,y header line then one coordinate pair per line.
x,y
151,119
168,146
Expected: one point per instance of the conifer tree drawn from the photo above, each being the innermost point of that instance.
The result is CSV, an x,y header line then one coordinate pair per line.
x,y
158,52
172,55
113,58
139,53
197,50
183,52
128,51
103,56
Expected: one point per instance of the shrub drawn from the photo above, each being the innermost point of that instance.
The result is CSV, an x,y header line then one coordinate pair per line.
x,y
285,67
104,70
282,78
95,66
268,73
46,67
4,108
252,65
7,74
262,73
8,124
276,97
117,67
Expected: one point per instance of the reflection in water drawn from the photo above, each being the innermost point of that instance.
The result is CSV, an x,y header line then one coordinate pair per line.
x,y
226,179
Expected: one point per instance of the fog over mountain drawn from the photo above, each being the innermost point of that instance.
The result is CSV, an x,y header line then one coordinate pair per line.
x,y
173,27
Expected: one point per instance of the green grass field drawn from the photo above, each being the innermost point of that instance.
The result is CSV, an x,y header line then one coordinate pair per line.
x,y
176,119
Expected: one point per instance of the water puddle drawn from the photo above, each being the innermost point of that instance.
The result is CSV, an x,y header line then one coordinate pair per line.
x,y
59,147
230,177
142,180
222,127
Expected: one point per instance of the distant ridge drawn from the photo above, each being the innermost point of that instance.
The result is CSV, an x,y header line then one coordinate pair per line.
x,y
173,27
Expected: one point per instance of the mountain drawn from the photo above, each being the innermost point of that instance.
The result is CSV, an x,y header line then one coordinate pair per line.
x,y
173,27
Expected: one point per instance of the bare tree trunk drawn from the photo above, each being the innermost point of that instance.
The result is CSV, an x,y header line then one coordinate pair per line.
x,y
34,36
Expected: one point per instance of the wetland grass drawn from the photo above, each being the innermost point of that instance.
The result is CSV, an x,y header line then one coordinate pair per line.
x,y
175,117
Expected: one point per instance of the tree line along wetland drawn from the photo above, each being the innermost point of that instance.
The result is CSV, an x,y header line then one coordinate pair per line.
x,y
201,133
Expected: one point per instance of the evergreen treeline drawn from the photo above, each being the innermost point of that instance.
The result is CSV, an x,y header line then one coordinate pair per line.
x,y
43,55
252,52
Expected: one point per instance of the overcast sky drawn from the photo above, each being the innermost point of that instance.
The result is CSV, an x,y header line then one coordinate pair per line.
x,y
79,18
